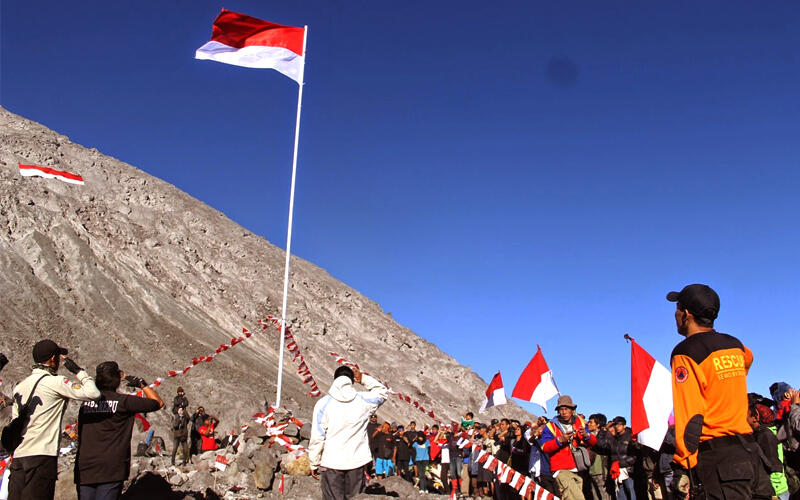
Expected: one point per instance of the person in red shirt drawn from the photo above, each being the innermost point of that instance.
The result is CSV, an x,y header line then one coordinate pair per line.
x,y
207,434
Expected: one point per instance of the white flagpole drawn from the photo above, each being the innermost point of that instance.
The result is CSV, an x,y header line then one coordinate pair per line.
x,y
291,211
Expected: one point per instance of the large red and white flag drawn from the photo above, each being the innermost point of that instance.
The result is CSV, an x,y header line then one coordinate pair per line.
x,y
49,173
651,397
495,394
247,41
536,382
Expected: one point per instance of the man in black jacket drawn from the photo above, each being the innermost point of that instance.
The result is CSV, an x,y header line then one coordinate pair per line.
x,y
180,434
105,426
179,401
617,443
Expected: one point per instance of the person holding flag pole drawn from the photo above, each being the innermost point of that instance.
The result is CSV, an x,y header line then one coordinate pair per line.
x,y
246,41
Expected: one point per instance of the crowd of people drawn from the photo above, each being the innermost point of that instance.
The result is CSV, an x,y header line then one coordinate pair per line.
x,y
572,456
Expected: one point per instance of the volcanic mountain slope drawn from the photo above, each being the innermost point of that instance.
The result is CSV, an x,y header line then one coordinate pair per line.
x,y
128,267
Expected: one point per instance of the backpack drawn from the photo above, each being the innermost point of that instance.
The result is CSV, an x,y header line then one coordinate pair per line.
x,y
13,433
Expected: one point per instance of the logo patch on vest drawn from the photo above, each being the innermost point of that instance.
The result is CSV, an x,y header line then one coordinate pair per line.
x,y
681,374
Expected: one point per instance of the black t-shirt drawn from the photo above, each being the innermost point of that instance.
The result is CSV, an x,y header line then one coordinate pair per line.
x,y
105,427
403,448
384,444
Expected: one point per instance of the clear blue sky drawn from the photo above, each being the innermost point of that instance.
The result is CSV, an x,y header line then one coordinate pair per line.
x,y
496,175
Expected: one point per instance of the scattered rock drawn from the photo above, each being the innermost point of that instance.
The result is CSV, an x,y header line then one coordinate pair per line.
x,y
296,464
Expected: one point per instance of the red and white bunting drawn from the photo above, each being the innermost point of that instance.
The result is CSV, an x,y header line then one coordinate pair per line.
x,y
292,347
275,430
3,464
342,361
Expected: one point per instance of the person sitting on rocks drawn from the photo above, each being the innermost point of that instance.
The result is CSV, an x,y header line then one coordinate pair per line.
x,y
207,431
339,446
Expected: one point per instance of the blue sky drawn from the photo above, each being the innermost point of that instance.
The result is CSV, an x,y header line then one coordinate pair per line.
x,y
495,175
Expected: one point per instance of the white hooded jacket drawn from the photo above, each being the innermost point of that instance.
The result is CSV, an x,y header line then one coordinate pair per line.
x,y
339,424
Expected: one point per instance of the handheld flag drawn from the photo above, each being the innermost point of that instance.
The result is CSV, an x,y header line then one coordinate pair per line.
x,y
246,41
221,462
651,397
495,395
536,383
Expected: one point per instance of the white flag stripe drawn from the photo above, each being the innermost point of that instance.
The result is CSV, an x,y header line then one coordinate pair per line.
x,y
255,56
658,404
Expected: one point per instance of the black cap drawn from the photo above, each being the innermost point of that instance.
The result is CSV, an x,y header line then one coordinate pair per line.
x,y
45,349
701,300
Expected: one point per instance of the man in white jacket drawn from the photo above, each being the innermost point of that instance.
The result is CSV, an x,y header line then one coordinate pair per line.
x,y
339,447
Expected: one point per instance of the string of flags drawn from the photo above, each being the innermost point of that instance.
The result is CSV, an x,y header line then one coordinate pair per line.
x,y
525,485
275,430
292,347
413,402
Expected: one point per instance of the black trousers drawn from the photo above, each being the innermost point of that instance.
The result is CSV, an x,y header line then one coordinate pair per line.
x,y
184,446
404,471
101,491
33,478
727,469
342,484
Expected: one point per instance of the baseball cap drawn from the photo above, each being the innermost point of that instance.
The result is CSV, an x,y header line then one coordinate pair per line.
x,y
701,300
45,349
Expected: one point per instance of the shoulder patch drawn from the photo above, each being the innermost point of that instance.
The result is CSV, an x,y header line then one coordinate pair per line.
x,y
699,346
681,374
76,386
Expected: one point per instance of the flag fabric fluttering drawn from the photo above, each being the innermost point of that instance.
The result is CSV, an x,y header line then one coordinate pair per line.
x,y
651,397
495,394
247,41
49,173
536,382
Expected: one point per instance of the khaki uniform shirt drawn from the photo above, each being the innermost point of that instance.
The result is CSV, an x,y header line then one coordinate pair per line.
x,y
49,403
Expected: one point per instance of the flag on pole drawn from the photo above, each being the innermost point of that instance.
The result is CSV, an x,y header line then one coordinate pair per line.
x,y
651,397
221,462
495,394
536,383
49,173
246,41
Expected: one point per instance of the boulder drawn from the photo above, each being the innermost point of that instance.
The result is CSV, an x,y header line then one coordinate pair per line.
x,y
265,462
296,464
255,432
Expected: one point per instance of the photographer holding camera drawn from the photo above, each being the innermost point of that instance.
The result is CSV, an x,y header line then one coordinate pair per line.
x,y
105,427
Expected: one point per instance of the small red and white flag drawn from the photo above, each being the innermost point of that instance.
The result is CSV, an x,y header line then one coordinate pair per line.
x,y
49,173
495,394
221,462
651,397
247,41
536,383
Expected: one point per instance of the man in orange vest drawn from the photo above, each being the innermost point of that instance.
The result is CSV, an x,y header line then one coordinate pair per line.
x,y
709,392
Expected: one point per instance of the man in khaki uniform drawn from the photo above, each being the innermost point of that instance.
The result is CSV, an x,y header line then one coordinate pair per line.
x,y
34,467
